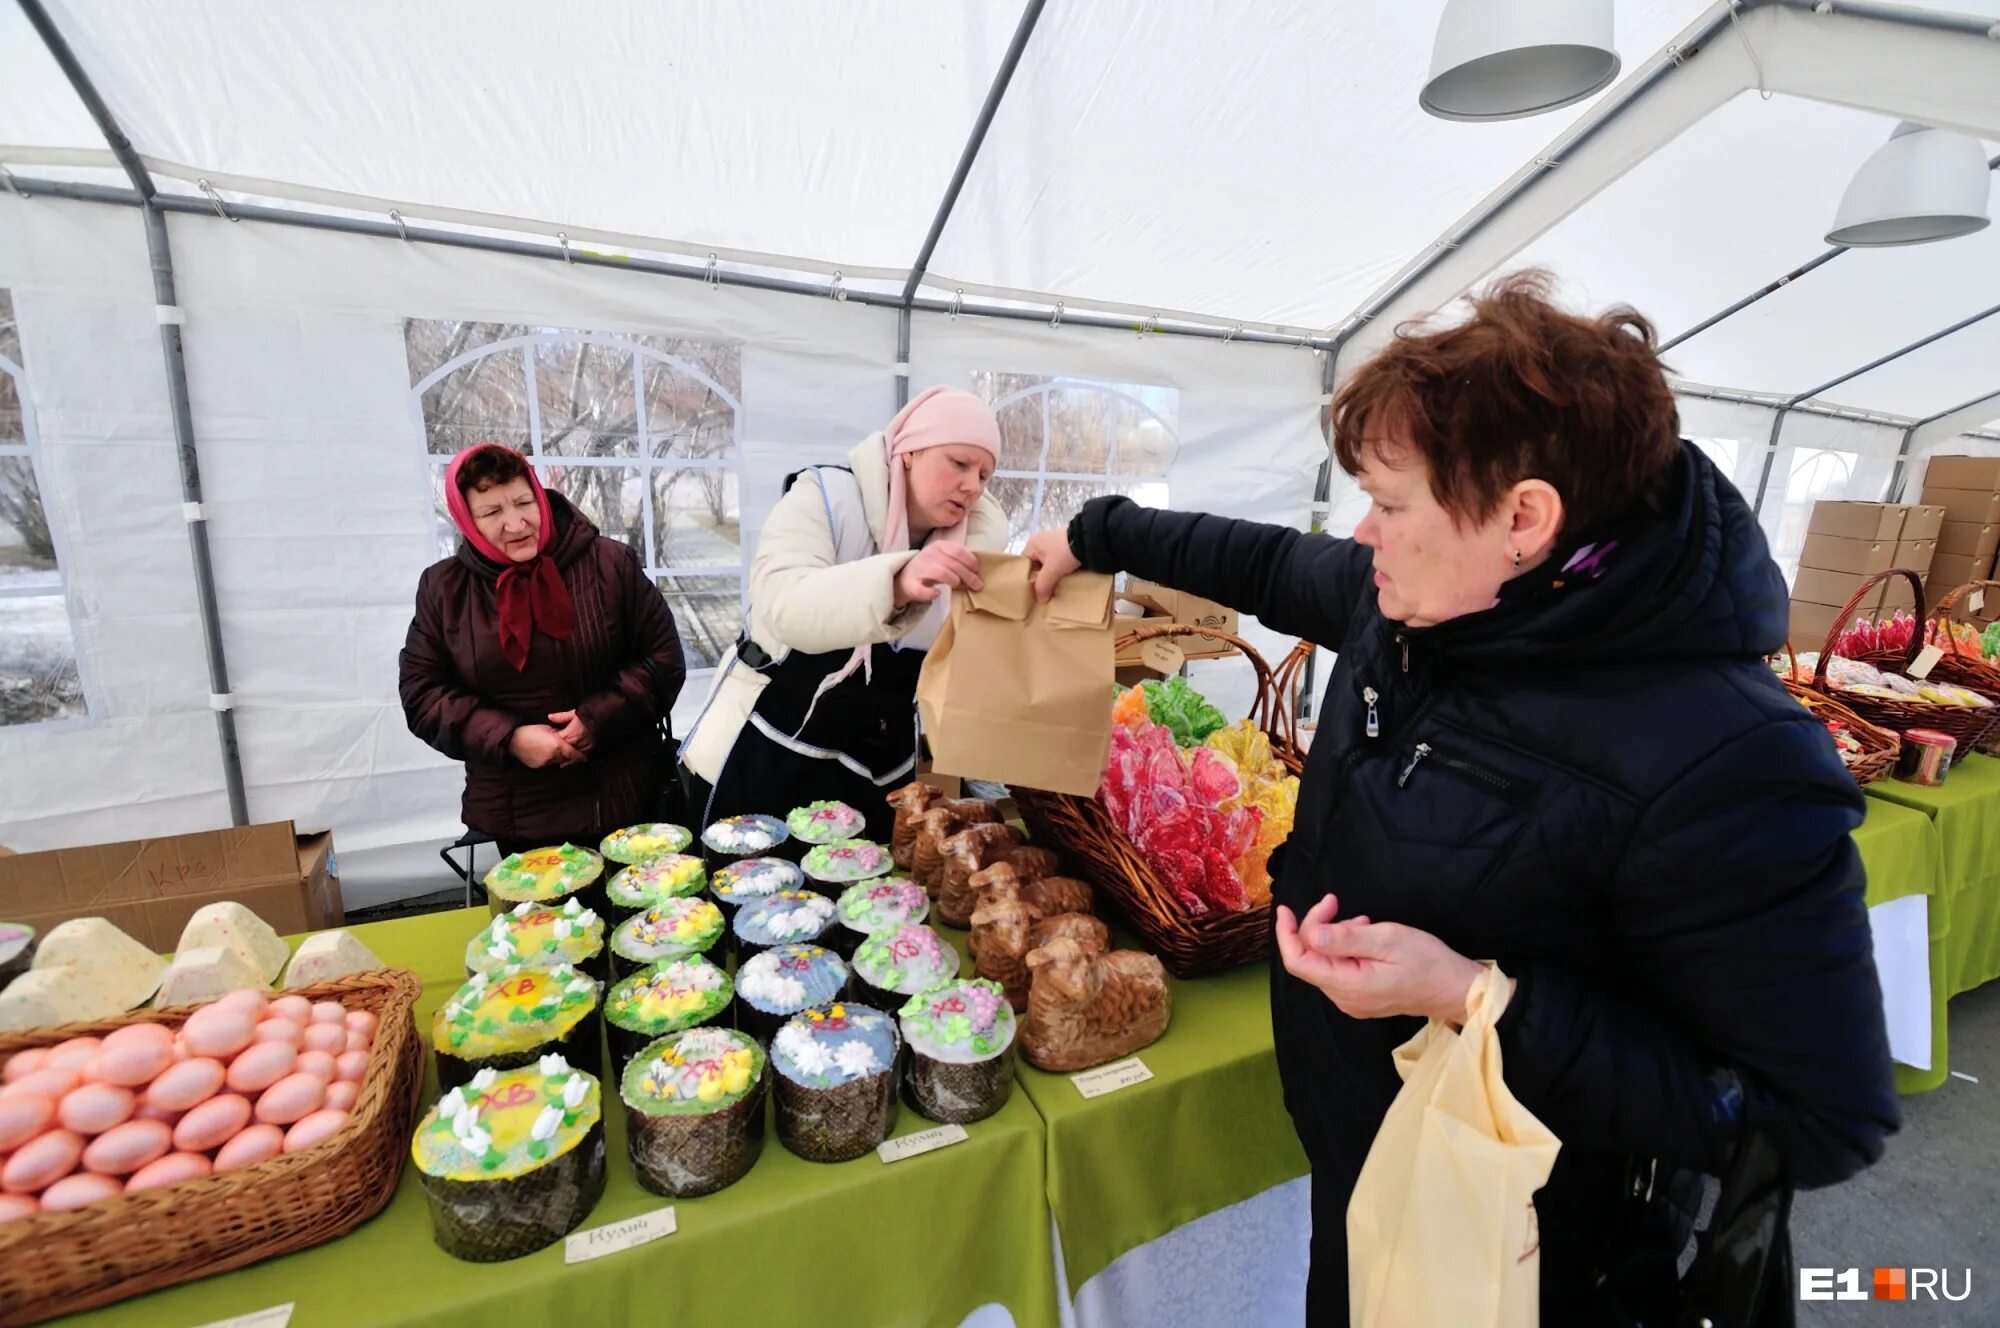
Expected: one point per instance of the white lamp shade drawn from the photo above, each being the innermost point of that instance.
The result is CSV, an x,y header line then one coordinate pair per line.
x,y
1504,59
1923,184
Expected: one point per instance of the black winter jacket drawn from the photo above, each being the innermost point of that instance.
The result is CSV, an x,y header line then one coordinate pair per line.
x,y
1601,786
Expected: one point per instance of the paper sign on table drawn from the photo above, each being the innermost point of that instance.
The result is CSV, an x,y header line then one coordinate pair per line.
x,y
275,1317
1925,661
1110,1078
583,1246
923,1141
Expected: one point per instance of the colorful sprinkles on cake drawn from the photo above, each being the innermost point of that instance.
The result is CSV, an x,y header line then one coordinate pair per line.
x,y
825,822
907,960
835,1044
786,978
668,996
743,835
543,874
506,1123
960,1022
695,1072
848,860
656,880
669,930
638,843
874,906
789,915
512,1009
536,936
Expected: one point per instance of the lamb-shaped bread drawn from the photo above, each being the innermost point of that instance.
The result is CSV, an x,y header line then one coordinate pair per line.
x,y
206,973
1006,929
327,955
910,801
970,851
941,822
1047,895
114,967
233,927
1087,1007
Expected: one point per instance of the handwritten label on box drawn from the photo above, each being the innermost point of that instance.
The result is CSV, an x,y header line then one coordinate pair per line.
x,y
1162,656
1110,1078
923,1141
583,1246
275,1317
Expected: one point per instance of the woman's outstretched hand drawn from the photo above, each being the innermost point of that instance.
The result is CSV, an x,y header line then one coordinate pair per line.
x,y
936,569
1049,550
1373,970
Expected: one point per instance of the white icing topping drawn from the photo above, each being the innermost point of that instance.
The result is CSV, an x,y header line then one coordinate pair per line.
x,y
553,1063
484,1079
856,1059
575,1091
551,1119
799,1047
451,1104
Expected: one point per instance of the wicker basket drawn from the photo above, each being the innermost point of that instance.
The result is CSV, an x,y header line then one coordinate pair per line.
x,y
61,1263
1968,726
1880,748
1083,831
1976,673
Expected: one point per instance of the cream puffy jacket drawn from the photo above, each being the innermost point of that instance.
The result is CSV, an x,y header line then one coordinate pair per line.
x,y
803,597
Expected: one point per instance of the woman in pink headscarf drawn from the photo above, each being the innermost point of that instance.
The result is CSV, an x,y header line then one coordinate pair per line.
x,y
848,588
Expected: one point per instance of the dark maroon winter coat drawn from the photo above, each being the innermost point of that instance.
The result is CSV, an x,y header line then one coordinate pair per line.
x,y
620,670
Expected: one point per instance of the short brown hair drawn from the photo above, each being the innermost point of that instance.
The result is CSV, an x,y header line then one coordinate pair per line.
x,y
1521,390
490,463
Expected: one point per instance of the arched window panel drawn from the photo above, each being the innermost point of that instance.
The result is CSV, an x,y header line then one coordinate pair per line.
x,y
638,432
1802,476
41,674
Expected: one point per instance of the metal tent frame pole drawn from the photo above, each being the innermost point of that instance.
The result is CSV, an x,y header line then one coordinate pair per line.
x,y
162,260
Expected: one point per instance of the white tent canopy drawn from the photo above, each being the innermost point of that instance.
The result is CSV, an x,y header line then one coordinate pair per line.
x,y
1181,190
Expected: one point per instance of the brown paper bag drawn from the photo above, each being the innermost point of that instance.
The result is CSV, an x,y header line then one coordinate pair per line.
x,y
1019,691
1441,1226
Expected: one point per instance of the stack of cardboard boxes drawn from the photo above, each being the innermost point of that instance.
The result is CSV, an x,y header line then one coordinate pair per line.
x,y
1968,489
1846,543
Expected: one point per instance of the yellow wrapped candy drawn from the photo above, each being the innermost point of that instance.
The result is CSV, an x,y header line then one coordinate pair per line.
x,y
1248,748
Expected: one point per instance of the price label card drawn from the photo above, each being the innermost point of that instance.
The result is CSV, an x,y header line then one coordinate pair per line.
x,y
1976,601
275,1317
1110,1078
1925,662
1162,656
583,1246
923,1141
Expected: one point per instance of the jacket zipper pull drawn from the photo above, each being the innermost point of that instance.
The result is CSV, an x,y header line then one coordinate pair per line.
x,y
1423,750
1404,642
1370,695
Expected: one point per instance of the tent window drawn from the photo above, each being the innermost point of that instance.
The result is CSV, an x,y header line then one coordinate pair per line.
x,y
1809,475
638,431
1064,441
39,676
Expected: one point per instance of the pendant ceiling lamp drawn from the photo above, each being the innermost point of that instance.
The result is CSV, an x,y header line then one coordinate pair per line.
x,y
1504,59
1923,184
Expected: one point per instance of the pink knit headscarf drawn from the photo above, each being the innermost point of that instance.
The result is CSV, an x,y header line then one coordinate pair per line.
x,y
935,417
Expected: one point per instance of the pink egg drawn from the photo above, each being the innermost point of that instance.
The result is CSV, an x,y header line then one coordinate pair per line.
x,y
147,1111
319,1065
218,1033
24,1117
75,1052
363,1021
133,1056
329,1012
124,1149
291,1099
22,1063
359,1041
49,1081
182,1086
169,1170
258,1067
17,1205
259,1143
316,1128
246,1001
329,1038
91,1109
351,1065
212,1123
295,1008
41,1162
341,1095
76,1191
281,1030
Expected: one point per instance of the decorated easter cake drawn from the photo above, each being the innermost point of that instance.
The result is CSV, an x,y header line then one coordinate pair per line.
x,y
783,980
514,1016
544,876
674,929
640,843
834,1077
645,884
540,936
669,997
694,1110
961,1041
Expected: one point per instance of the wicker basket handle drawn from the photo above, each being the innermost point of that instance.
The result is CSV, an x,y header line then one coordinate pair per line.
x,y
1263,712
1839,624
1946,608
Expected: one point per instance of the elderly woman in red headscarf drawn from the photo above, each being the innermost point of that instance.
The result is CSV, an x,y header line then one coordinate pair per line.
x,y
543,658
849,586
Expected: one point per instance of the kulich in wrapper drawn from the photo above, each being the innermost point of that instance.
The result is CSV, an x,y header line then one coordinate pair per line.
x,y
835,1071
694,1111
961,1057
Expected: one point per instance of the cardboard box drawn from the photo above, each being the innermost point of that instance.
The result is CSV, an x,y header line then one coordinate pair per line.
x,y
1968,539
1815,586
1862,521
1898,595
1810,624
1949,571
1922,521
1963,472
1915,554
1981,506
1831,553
149,888
1144,604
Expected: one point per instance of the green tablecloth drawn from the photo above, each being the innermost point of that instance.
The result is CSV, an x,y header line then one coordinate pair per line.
x,y
1966,811
1208,1130
919,1242
1899,847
